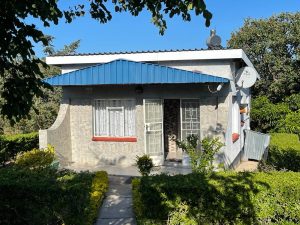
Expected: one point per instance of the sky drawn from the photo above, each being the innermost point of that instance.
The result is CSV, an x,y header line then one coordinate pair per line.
x,y
127,33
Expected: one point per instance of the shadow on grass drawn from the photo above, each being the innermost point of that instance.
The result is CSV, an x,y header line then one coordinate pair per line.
x,y
224,198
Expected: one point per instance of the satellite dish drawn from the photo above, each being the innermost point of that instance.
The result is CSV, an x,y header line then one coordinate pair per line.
x,y
246,77
214,41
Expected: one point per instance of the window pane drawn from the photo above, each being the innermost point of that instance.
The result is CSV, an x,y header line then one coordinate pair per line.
x,y
116,121
114,118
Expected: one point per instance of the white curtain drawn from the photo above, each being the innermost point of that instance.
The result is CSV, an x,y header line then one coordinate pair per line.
x,y
114,118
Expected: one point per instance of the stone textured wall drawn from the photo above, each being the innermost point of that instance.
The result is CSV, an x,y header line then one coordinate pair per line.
x,y
214,114
97,153
59,135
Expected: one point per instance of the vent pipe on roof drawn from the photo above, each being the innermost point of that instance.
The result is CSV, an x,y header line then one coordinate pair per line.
x,y
214,41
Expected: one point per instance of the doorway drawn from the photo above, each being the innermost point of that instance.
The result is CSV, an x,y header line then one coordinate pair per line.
x,y
171,129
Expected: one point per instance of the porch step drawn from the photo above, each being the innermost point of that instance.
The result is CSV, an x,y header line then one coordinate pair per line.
x,y
173,163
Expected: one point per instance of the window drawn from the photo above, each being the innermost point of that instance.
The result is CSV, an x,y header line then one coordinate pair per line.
x,y
114,118
190,117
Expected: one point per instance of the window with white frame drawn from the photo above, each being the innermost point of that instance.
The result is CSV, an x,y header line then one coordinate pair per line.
x,y
114,118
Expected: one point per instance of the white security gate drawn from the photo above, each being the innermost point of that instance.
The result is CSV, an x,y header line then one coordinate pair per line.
x,y
153,109
256,144
190,117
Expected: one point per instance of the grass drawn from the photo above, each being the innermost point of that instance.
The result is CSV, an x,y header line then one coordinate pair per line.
x,y
284,140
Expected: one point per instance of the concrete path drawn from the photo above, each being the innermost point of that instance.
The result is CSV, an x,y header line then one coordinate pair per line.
x,y
117,206
170,168
247,166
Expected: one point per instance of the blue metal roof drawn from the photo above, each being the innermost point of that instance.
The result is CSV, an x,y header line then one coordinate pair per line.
x,y
130,72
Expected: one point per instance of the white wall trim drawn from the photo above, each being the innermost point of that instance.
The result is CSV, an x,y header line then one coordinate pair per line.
x,y
151,57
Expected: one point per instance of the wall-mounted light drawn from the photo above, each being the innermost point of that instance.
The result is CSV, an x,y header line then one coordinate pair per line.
x,y
220,87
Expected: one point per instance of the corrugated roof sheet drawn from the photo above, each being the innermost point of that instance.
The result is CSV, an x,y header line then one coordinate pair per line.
x,y
130,72
134,52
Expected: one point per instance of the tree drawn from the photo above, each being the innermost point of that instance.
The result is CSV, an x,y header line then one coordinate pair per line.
x,y
43,111
19,68
273,45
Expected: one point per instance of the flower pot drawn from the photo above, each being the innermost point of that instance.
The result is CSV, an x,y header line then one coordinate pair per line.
x,y
186,160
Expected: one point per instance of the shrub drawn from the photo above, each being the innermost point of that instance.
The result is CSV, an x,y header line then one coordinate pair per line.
x,y
202,153
180,215
280,117
266,116
98,189
290,124
293,102
36,158
11,145
284,152
144,164
224,198
47,196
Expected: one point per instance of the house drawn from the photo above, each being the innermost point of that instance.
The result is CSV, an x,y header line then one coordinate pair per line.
x,y
118,105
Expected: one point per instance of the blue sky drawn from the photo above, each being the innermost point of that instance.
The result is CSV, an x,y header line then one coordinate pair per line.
x,y
127,33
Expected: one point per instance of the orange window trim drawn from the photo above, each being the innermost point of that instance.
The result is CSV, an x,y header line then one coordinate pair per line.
x,y
115,139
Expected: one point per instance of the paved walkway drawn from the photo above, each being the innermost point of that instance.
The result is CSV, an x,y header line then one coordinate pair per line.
x,y
117,206
170,168
247,166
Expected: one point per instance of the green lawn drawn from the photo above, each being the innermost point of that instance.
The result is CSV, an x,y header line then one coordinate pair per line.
x,y
283,140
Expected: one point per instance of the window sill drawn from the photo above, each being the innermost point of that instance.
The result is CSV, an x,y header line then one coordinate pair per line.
x,y
115,139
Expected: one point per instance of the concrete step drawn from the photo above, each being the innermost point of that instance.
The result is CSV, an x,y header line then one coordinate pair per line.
x,y
122,221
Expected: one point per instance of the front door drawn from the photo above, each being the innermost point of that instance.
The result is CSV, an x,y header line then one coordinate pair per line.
x,y
153,109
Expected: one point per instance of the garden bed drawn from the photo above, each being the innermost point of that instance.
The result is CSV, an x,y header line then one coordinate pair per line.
x,y
47,196
224,198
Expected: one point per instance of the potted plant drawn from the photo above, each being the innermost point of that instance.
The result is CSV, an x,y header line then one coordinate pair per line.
x,y
188,146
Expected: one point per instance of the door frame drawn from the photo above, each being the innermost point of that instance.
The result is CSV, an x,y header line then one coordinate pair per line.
x,y
162,129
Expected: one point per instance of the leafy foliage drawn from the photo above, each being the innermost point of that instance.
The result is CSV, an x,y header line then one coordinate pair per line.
x,y
144,164
11,145
291,123
21,71
47,196
276,117
181,216
36,158
266,116
224,198
98,189
284,152
201,153
273,47
44,109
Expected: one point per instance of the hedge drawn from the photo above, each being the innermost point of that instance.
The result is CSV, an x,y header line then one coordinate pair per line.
x,y
284,151
35,158
11,145
48,196
224,198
